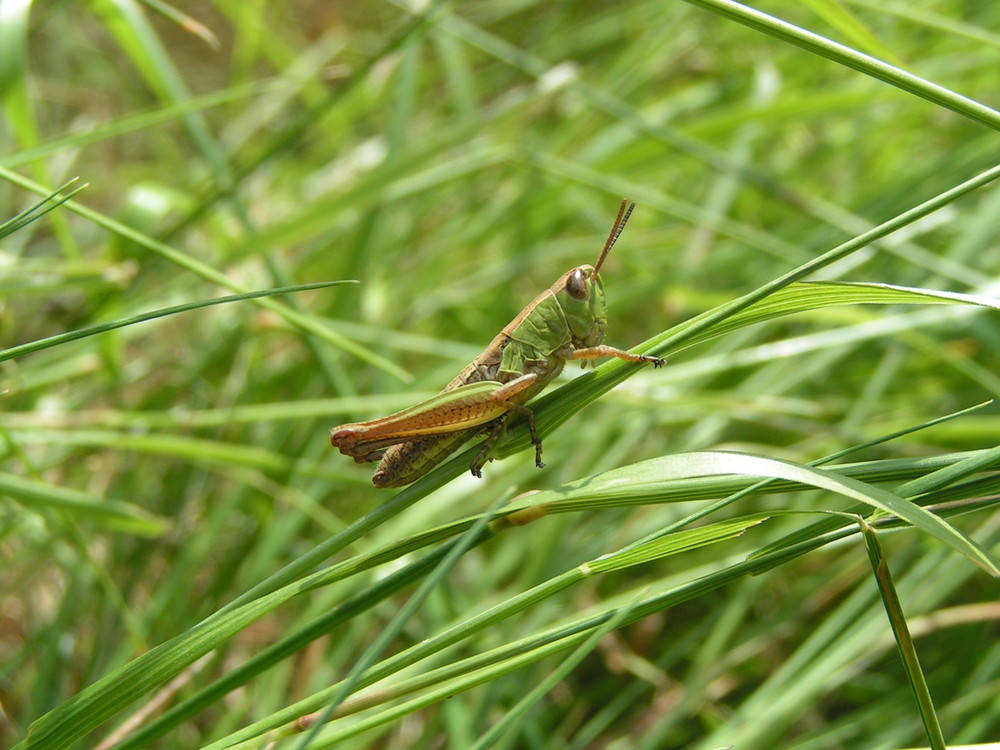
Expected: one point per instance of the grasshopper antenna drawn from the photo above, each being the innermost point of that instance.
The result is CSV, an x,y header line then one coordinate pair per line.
x,y
616,230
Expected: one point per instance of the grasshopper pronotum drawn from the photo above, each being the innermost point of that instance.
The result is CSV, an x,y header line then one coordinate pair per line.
x,y
564,322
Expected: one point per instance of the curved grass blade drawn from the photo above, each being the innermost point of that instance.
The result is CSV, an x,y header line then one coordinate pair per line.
x,y
648,478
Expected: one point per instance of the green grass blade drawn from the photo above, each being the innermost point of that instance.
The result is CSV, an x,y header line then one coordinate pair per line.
x,y
851,58
904,641
678,543
37,211
517,713
553,408
83,507
848,24
649,477
63,338
127,22
189,263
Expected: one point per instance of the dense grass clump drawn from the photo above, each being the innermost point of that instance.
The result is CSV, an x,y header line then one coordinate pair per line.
x,y
785,538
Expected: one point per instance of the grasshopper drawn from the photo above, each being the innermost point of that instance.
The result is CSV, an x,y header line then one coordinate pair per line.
x,y
564,322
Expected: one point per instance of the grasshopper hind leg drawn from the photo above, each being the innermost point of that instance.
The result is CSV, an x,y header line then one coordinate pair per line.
x,y
495,430
535,440
483,456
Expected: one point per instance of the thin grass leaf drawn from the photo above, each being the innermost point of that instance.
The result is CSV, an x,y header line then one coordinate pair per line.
x,y
475,535
19,102
674,544
63,338
904,641
557,406
111,514
851,58
648,478
139,121
126,21
187,262
517,713
926,484
186,22
37,211
852,27
932,20
197,451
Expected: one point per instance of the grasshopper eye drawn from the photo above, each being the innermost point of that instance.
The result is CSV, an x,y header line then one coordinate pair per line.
x,y
577,286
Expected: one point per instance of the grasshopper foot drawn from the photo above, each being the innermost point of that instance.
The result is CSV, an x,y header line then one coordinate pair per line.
x,y
655,361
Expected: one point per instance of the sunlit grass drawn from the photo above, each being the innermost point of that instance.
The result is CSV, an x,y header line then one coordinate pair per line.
x,y
190,564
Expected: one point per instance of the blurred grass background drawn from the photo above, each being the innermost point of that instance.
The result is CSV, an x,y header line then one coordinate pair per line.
x,y
455,163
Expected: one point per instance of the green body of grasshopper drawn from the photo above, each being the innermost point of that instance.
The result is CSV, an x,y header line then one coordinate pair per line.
x,y
564,322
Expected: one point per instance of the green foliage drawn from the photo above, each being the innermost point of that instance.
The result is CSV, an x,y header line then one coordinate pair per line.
x,y
189,563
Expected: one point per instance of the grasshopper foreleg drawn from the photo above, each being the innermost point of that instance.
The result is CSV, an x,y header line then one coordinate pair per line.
x,y
603,350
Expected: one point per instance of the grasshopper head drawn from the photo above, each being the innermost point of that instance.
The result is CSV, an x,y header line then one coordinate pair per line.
x,y
581,295
582,291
